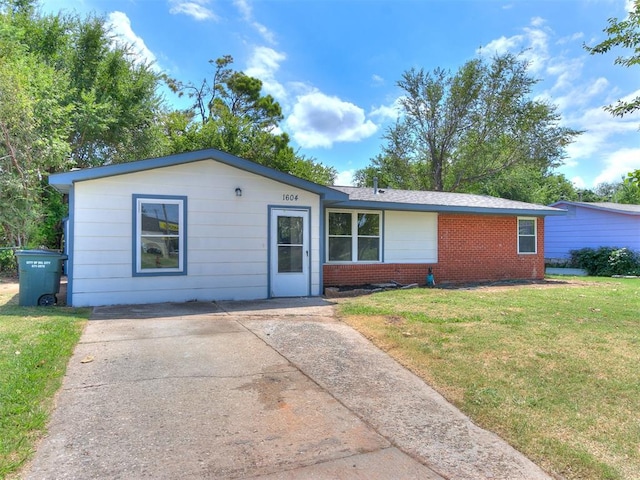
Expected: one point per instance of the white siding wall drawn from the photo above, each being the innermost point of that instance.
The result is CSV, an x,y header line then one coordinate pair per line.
x,y
410,237
227,236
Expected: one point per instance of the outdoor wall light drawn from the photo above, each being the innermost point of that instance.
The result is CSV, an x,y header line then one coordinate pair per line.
x,y
238,192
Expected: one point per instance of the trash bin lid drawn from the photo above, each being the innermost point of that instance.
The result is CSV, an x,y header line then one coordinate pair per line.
x,y
38,252
41,253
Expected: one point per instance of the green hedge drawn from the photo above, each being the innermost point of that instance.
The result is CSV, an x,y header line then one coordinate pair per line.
x,y
606,261
7,261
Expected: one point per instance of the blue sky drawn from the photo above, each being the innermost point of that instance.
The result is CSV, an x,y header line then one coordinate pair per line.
x,y
333,64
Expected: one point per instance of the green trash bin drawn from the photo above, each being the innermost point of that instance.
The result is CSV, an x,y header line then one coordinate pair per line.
x,y
39,272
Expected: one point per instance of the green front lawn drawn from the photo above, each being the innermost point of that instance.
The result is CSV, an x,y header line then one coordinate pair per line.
x,y
552,368
35,345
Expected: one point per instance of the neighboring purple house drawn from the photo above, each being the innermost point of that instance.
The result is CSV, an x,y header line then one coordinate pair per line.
x,y
591,225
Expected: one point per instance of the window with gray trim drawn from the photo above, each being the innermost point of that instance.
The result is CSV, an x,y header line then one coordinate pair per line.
x,y
159,235
353,236
527,235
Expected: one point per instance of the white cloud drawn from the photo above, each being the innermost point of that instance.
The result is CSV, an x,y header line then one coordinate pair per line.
x,y
386,112
538,21
578,182
120,26
247,14
502,45
570,38
536,52
345,178
264,64
318,120
315,119
197,9
618,164
567,70
532,45
573,96
595,88
598,126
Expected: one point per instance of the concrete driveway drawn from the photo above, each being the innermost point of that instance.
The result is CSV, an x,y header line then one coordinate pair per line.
x,y
277,389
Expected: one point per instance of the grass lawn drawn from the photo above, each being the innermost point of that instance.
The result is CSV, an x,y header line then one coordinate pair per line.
x,y
35,345
553,368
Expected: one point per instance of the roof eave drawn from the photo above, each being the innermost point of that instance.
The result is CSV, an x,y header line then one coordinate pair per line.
x,y
594,207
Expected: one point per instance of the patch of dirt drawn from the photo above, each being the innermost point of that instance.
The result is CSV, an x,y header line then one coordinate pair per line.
x,y
9,285
536,284
354,291
395,320
514,284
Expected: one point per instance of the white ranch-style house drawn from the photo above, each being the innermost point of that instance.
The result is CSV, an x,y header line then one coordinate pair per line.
x,y
209,226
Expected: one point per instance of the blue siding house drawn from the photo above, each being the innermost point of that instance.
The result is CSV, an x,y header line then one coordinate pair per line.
x,y
591,225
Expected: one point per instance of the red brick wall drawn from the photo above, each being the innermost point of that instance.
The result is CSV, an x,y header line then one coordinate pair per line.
x,y
471,248
363,274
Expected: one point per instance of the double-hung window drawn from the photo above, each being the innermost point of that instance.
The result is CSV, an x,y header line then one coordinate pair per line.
x,y
527,235
353,236
160,229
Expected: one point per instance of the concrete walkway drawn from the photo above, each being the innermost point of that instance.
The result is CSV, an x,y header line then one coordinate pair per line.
x,y
277,389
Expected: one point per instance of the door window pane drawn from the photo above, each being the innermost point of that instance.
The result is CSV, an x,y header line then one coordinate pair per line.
x,y
290,259
290,230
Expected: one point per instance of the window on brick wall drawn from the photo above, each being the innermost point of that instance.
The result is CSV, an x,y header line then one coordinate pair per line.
x,y
353,236
527,235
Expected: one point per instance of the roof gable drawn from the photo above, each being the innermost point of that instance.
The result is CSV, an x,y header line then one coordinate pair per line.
x,y
63,182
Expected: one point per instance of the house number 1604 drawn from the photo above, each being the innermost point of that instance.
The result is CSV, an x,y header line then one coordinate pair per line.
x,y
290,197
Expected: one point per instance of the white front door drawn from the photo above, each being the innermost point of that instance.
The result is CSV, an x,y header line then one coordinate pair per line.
x,y
289,253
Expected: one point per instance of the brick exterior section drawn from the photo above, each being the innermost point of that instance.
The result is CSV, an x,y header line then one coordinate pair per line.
x,y
471,248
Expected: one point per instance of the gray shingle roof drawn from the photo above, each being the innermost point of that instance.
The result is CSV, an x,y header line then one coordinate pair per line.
x,y
614,207
387,198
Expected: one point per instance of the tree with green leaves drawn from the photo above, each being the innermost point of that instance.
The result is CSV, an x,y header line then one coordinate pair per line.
x,y
230,113
111,94
34,125
622,34
623,191
69,97
458,131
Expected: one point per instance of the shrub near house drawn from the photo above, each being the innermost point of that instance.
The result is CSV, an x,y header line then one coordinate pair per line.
x,y
7,261
607,261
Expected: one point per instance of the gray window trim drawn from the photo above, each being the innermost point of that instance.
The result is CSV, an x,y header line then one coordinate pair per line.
x,y
137,269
